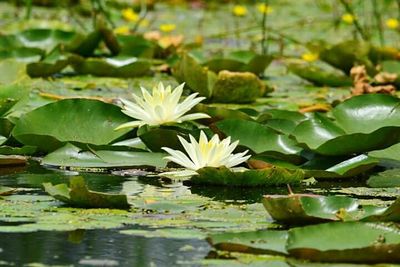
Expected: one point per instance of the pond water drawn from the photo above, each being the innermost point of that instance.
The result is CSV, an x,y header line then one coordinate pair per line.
x,y
109,247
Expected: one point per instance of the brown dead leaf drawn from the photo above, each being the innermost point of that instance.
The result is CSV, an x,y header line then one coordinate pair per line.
x,y
320,107
361,82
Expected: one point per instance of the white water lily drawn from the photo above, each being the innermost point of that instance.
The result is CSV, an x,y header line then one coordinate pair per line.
x,y
213,153
161,107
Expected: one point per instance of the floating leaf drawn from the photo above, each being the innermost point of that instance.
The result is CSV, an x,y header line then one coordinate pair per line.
x,y
5,191
388,178
330,242
319,76
110,67
274,176
390,153
72,156
256,242
260,139
361,124
306,209
45,127
78,195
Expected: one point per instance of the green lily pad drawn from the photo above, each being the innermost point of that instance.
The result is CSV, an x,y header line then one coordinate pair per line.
x,y
45,39
157,138
72,156
388,178
360,124
330,242
319,76
260,139
307,209
255,242
78,195
196,77
346,54
45,127
223,176
240,61
390,153
110,67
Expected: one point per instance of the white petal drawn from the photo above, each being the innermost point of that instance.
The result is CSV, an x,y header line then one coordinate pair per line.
x,y
193,116
132,124
179,157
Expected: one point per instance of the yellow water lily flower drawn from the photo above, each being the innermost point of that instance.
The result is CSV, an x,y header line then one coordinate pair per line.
x,y
130,15
392,23
213,153
239,10
348,18
263,8
168,27
122,30
161,107
309,57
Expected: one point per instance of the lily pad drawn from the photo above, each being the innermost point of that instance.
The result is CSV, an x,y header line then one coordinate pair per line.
x,y
260,139
388,178
390,153
223,176
78,195
330,242
361,124
255,242
72,156
110,67
45,128
319,76
306,209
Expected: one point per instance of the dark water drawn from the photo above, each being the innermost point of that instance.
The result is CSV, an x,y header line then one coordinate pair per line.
x,y
97,248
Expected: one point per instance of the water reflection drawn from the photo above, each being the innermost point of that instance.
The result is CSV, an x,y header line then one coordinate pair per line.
x,y
97,248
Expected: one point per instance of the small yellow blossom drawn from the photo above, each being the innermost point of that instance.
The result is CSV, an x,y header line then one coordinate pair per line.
x,y
348,18
130,15
144,23
122,30
309,57
263,8
168,27
392,23
239,11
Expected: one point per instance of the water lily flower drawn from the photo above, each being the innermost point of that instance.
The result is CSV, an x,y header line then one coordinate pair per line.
x,y
310,57
122,30
130,15
392,23
213,153
239,11
168,27
348,18
263,8
160,107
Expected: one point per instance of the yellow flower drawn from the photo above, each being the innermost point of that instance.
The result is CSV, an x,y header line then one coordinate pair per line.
x,y
130,15
161,107
392,23
122,30
309,57
263,8
348,18
168,27
239,11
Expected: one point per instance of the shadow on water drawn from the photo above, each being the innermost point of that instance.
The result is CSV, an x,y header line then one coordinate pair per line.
x,y
96,248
